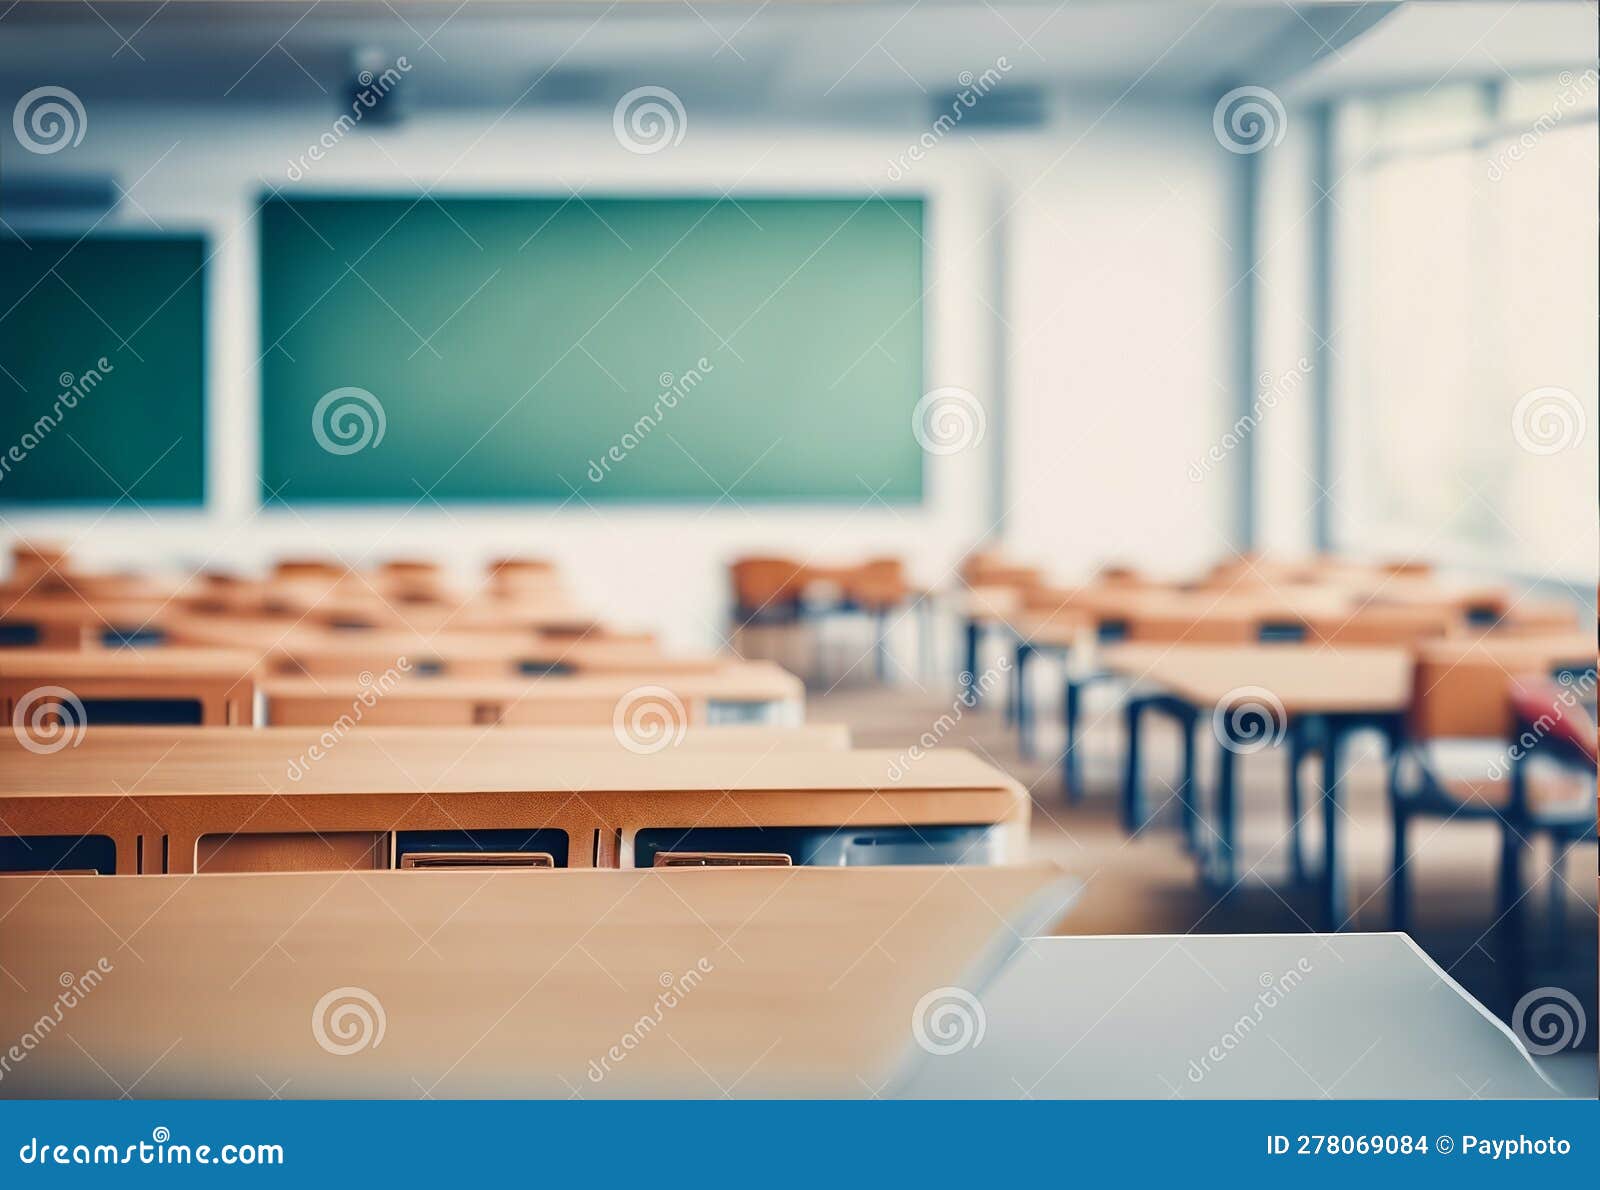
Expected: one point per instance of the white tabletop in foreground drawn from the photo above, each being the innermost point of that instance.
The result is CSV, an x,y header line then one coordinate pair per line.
x,y
1278,1016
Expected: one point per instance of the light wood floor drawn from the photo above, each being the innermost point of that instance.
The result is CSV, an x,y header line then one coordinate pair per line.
x,y
1148,884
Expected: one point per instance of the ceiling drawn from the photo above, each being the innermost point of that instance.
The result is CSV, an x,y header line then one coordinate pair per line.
x,y
816,59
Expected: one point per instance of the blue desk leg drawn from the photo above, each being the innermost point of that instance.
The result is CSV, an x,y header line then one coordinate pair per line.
x,y
1132,778
1297,756
970,671
1224,845
1333,884
1024,707
1071,774
1188,787
880,643
1513,946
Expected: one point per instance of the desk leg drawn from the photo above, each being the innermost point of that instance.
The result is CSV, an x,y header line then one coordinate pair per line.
x,y
925,637
1513,850
880,643
969,680
1132,778
1333,884
1297,756
1024,708
1224,845
1188,787
1071,772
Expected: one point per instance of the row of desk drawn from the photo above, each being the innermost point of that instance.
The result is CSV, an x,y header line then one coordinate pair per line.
x,y
392,880
1256,655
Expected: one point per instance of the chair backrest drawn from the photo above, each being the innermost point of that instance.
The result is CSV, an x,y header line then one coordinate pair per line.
x,y
298,568
765,582
1459,697
989,568
1463,683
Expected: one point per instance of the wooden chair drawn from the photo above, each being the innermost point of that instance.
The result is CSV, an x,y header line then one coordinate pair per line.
x,y
1464,694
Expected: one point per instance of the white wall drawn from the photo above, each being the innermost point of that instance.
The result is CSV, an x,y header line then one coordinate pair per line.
x,y
1112,335
1118,351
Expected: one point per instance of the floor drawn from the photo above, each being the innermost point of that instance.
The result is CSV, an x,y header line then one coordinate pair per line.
x,y
1148,883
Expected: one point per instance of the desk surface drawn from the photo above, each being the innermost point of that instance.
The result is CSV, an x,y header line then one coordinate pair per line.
x,y
154,762
745,981
69,665
735,681
1274,1016
285,642
1303,678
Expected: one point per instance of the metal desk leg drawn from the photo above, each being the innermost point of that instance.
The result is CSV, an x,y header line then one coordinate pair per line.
x,y
1223,853
1297,756
880,643
1071,769
1334,893
1024,706
1188,787
1132,779
970,680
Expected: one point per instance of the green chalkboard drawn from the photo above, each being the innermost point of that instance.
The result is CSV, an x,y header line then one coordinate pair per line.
x,y
102,370
591,349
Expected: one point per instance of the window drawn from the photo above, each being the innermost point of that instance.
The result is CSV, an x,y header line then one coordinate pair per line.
x,y
1466,275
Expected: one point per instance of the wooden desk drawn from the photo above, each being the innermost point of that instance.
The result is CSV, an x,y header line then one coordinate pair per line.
x,y
297,799
72,621
321,652
1251,697
486,985
736,692
214,687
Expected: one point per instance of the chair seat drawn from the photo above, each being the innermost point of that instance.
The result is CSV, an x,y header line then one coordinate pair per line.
x,y
1561,802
